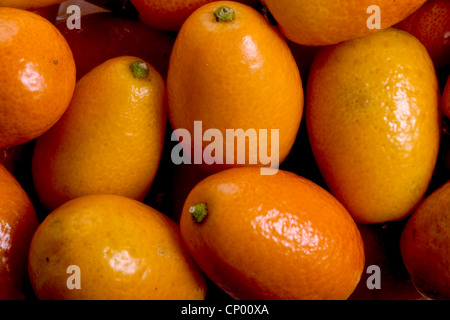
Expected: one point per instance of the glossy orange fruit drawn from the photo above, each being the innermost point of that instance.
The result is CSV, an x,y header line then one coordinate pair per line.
x,y
431,25
104,36
170,15
111,138
18,221
425,247
122,249
375,136
35,85
272,237
316,22
244,78
28,4
446,98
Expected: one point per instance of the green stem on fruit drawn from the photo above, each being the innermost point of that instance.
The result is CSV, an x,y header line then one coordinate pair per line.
x,y
140,69
198,212
224,14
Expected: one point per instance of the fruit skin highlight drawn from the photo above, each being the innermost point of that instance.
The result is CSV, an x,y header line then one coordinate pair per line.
x,y
18,222
374,123
110,140
124,250
237,74
35,85
272,237
424,245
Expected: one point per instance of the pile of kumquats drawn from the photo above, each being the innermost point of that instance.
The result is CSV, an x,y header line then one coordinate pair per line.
x,y
224,150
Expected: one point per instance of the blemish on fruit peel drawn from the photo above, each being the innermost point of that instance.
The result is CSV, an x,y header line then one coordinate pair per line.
x,y
232,148
374,21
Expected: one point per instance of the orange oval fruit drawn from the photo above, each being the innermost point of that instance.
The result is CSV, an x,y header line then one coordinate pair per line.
x,y
122,249
170,15
28,4
446,98
105,36
234,75
431,25
317,23
272,237
18,222
36,85
425,247
111,138
374,123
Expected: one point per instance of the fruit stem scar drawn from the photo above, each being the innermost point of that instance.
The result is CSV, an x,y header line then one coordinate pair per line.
x,y
224,14
198,212
140,69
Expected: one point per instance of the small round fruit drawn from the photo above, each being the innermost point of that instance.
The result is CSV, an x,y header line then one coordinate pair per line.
x,y
272,236
111,138
425,246
373,120
18,222
122,249
318,22
36,84
244,78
